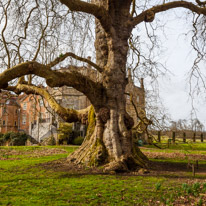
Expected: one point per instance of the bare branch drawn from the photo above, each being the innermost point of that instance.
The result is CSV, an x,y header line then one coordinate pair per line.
x,y
68,115
42,36
25,31
70,54
3,37
201,3
98,11
93,90
149,15
133,7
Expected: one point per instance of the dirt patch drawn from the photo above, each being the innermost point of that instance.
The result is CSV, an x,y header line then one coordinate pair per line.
x,y
175,170
157,168
47,152
176,155
62,165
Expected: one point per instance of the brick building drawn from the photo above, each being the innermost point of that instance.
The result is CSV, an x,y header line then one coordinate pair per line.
x,y
9,113
32,114
21,113
33,109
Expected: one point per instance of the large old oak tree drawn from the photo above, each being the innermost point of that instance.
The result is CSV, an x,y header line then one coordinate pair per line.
x,y
109,140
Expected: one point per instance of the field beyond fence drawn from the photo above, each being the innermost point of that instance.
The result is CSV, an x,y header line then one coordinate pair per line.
x,y
169,137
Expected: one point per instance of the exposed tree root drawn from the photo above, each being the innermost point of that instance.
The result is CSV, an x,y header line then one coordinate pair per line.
x,y
112,149
95,154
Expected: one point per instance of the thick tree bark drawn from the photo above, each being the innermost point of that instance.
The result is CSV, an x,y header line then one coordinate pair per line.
x,y
109,137
109,143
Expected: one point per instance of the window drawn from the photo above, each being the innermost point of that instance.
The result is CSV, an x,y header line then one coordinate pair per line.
x,y
4,122
24,119
4,110
41,103
47,115
24,106
138,98
70,105
76,104
41,115
15,123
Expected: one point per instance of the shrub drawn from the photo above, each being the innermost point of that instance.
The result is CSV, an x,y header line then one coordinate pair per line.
x,y
49,141
15,139
65,132
52,141
78,140
6,136
18,138
1,138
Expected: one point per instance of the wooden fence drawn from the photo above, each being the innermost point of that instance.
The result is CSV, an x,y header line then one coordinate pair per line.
x,y
180,136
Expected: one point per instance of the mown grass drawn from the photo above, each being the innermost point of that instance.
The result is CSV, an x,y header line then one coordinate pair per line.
x,y
24,182
190,147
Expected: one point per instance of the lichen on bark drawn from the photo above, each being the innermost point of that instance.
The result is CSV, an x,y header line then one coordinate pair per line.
x,y
91,122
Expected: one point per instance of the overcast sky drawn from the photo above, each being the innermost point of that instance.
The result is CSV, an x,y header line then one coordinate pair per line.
x,y
174,89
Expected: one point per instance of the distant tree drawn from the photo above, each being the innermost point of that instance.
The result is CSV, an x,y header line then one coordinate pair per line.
x,y
196,125
156,112
34,37
183,124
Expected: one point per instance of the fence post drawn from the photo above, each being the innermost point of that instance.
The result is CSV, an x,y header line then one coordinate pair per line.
x,y
173,137
194,137
159,136
168,143
193,169
184,137
201,137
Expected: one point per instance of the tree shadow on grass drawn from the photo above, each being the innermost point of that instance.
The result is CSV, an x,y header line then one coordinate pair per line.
x,y
157,168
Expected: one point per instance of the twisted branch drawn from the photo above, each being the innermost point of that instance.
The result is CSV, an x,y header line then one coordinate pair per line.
x,y
93,90
70,54
149,14
98,11
68,115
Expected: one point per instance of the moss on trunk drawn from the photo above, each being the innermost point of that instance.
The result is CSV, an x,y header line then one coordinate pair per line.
x,y
115,150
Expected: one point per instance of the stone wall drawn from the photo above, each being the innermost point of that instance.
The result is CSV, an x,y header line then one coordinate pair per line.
x,y
40,131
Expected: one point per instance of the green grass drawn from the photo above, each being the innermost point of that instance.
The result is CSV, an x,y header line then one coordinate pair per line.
x,y
24,182
192,148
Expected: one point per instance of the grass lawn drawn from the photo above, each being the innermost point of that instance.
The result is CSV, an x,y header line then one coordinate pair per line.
x,y
25,179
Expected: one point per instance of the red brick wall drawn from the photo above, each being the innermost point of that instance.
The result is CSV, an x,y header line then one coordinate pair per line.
x,y
9,118
31,111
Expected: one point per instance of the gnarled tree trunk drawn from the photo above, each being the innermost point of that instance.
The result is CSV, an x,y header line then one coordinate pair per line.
x,y
111,143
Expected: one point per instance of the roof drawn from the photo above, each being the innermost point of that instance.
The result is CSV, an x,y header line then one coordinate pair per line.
x,y
8,99
22,97
12,102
